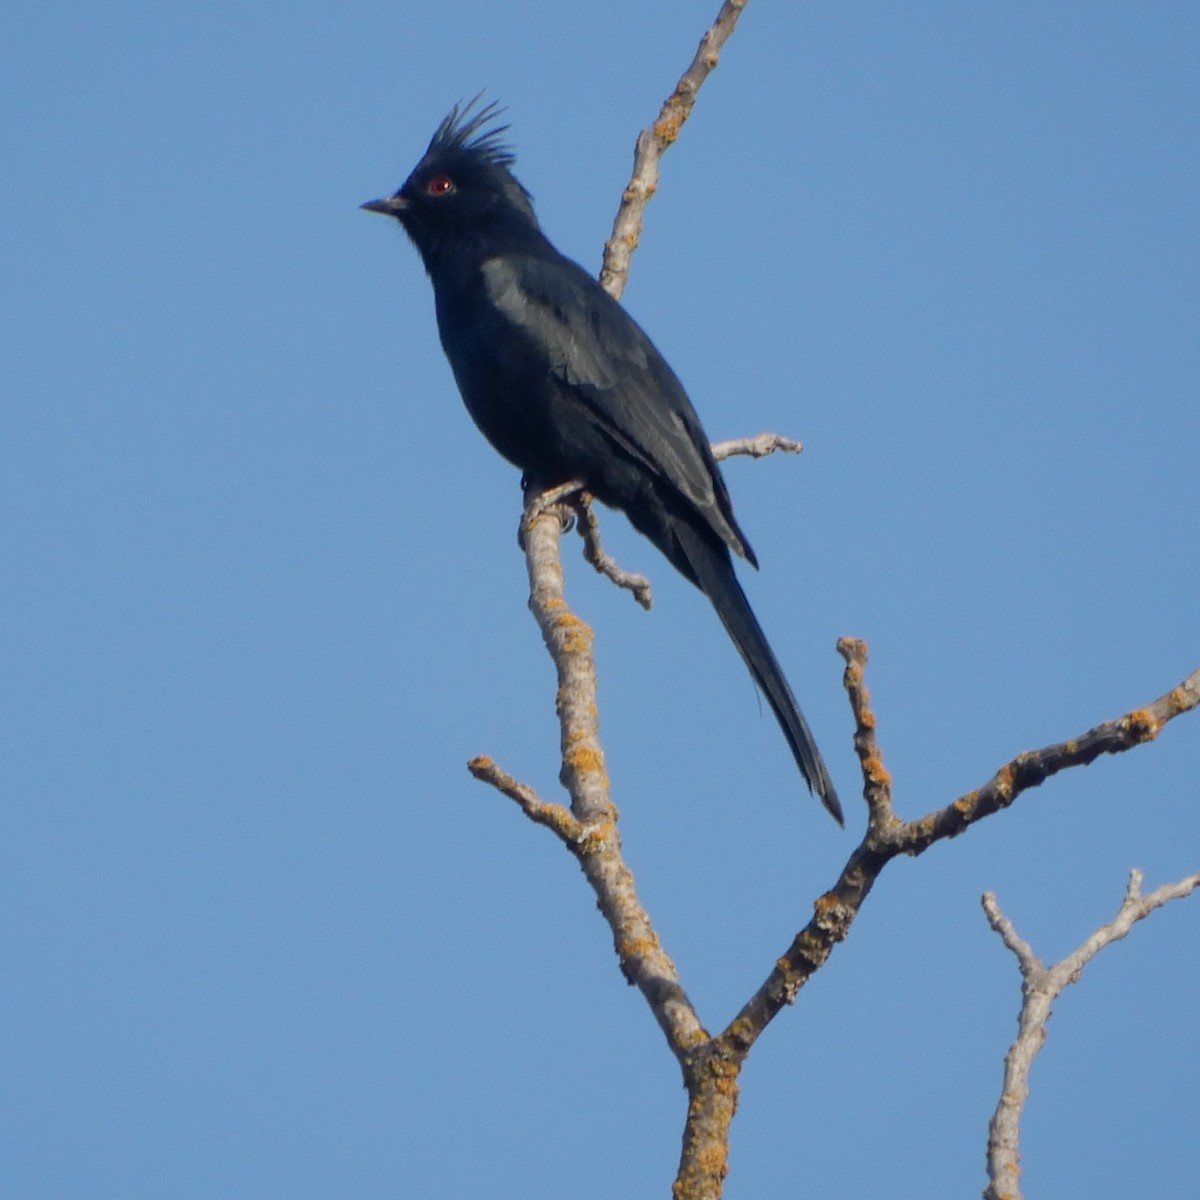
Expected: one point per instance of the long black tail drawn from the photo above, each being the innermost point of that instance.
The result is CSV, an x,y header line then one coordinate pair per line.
x,y
712,571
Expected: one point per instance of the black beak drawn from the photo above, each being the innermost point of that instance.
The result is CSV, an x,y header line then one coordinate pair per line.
x,y
393,206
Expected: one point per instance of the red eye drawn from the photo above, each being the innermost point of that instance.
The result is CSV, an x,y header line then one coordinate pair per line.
x,y
439,185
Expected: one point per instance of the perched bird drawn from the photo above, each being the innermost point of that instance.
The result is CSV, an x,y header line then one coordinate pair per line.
x,y
565,385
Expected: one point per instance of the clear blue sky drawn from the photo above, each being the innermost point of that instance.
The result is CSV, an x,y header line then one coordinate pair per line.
x,y
262,934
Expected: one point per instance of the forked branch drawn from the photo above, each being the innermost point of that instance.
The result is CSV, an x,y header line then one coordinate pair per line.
x,y
1040,988
711,1065
887,836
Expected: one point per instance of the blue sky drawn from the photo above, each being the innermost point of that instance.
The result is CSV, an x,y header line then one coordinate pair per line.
x,y
263,935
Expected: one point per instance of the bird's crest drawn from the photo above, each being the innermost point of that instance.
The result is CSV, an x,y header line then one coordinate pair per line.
x,y
469,129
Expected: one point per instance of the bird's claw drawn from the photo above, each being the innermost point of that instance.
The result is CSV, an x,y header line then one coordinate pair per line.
x,y
539,500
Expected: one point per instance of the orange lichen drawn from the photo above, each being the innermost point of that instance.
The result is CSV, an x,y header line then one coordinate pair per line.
x,y
586,760
727,1084
576,634
594,839
965,804
667,130
559,817
874,769
714,1159
638,947
926,825
1143,725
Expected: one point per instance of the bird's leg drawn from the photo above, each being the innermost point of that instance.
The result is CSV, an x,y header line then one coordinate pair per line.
x,y
574,504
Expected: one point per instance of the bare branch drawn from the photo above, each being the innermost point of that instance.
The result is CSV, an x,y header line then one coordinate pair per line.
x,y
711,1066
553,816
569,642
652,141
1009,936
594,552
887,836
877,790
758,446
1034,767
589,830
1040,987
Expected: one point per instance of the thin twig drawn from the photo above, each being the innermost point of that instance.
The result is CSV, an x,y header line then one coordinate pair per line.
x,y
553,816
1040,987
594,552
1028,770
877,790
758,446
652,141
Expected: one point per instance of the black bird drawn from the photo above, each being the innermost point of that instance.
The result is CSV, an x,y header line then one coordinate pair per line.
x,y
564,384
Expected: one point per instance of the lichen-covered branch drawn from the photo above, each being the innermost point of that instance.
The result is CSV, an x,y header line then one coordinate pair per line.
x,y
711,1065
887,836
1040,987
652,141
1036,766
589,829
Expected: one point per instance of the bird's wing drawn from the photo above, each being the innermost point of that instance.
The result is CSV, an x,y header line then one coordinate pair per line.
x,y
613,369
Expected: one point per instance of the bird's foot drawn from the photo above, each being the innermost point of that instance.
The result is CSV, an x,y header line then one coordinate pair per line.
x,y
539,500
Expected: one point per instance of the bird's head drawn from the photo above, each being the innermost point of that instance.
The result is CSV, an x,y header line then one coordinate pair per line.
x,y
462,189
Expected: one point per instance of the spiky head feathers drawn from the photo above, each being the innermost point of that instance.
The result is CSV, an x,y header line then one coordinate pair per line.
x,y
463,188
468,129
